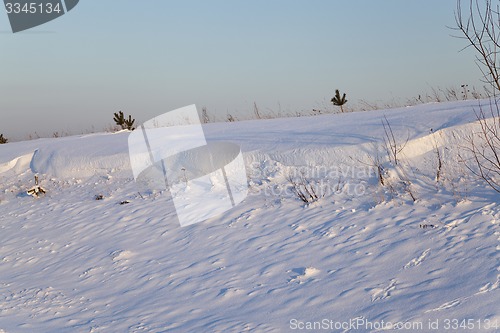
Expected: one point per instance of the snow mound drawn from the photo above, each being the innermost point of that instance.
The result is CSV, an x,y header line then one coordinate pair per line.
x,y
325,140
82,156
18,164
71,263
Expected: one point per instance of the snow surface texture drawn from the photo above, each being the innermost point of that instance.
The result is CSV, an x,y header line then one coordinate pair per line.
x,y
71,263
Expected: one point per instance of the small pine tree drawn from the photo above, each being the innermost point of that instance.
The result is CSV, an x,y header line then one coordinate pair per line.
x,y
339,101
3,140
129,123
124,123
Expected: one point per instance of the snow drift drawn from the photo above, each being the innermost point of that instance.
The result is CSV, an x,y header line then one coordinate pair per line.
x,y
362,253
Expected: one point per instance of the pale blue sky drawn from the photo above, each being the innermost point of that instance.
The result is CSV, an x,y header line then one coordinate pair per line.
x,y
149,57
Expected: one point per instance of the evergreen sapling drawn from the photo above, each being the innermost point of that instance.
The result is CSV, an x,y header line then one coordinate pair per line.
x,y
339,101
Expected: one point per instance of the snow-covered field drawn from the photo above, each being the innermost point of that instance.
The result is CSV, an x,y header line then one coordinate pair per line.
x,y
363,258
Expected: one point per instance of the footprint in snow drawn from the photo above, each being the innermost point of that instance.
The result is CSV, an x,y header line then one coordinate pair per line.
x,y
229,292
298,228
303,274
417,261
88,273
446,305
380,293
119,255
490,286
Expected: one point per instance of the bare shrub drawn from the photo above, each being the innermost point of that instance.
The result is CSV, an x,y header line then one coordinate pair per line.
x,y
392,147
479,25
305,189
256,111
483,146
392,172
205,119
439,158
